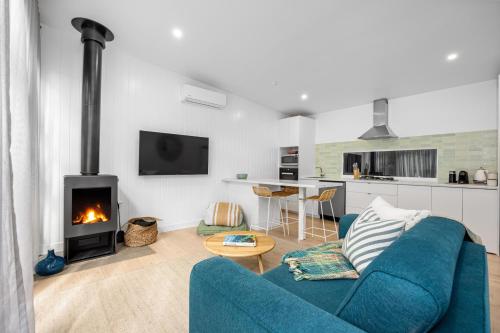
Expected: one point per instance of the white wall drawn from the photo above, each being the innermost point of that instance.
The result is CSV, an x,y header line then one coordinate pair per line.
x,y
461,109
137,95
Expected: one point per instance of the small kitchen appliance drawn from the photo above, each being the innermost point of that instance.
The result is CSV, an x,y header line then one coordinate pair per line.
x,y
452,177
463,177
480,176
289,174
290,159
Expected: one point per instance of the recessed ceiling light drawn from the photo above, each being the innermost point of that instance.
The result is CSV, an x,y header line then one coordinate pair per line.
x,y
177,33
452,56
304,97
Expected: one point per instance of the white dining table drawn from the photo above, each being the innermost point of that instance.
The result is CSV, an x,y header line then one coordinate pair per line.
x,y
247,198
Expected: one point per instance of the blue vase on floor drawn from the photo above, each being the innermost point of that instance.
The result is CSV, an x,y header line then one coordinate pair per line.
x,y
52,264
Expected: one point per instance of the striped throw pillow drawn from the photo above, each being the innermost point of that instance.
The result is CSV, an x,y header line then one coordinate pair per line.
x,y
369,236
224,214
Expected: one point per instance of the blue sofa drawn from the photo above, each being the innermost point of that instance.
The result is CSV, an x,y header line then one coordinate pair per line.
x,y
432,279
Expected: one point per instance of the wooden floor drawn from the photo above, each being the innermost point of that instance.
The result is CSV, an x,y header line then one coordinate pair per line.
x,y
146,289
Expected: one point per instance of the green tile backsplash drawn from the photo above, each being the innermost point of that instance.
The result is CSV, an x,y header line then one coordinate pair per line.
x,y
457,151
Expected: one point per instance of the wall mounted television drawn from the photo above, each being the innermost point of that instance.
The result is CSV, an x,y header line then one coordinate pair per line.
x,y
172,154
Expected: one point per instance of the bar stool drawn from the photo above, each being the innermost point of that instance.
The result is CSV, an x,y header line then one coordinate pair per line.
x,y
266,193
286,193
325,196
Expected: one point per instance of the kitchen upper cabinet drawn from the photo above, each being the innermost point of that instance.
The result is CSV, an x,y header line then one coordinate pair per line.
x,y
447,202
289,129
480,215
414,197
299,132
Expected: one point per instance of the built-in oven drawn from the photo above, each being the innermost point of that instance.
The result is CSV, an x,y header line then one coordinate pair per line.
x,y
289,174
290,159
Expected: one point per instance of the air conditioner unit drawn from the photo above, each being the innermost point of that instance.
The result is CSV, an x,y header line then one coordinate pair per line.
x,y
202,96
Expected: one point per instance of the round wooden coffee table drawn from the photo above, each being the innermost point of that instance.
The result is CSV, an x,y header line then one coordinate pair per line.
x,y
264,245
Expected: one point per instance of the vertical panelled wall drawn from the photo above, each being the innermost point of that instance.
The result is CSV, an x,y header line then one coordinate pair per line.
x,y
137,95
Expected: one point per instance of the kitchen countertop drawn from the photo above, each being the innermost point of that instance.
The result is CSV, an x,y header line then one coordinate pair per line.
x,y
400,182
307,183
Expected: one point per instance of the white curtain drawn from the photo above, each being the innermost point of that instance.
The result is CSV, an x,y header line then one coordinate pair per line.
x,y
19,97
416,163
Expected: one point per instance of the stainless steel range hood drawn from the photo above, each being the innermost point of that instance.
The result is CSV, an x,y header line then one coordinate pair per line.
x,y
380,129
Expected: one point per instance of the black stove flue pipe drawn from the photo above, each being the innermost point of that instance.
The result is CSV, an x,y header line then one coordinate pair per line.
x,y
94,38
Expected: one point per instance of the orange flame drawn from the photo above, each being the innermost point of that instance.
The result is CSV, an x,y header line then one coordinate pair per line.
x,y
91,215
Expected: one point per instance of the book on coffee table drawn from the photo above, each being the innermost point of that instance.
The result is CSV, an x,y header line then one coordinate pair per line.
x,y
240,240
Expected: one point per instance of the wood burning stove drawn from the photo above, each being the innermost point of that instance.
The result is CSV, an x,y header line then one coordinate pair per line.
x,y
90,216
90,200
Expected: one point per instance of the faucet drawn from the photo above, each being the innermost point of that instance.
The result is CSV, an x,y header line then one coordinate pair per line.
x,y
321,173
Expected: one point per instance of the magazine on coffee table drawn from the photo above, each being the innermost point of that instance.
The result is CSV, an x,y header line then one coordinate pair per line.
x,y
240,240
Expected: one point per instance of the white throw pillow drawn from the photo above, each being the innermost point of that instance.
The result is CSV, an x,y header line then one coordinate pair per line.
x,y
369,236
387,212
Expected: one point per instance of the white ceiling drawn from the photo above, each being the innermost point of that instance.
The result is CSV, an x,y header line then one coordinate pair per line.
x,y
342,53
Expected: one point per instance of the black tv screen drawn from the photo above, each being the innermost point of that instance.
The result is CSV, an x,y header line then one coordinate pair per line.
x,y
172,154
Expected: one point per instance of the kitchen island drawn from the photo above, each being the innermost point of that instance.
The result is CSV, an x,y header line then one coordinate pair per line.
x,y
255,208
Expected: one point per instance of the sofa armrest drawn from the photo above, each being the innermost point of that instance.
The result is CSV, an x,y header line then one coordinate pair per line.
x,y
345,223
225,297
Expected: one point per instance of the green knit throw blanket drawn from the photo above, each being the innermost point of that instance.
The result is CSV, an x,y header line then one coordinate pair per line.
x,y
322,262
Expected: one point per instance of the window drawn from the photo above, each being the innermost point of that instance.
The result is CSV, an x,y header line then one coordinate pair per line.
x,y
418,163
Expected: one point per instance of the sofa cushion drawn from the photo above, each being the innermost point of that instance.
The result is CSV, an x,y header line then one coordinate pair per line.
x,y
408,287
226,297
469,306
207,230
369,236
226,214
325,294
345,223
386,211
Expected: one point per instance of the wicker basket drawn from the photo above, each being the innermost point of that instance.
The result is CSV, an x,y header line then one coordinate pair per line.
x,y
137,235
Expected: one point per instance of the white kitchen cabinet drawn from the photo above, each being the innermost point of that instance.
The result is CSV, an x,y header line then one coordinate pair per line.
x,y
283,139
353,210
414,197
476,208
360,195
289,132
294,131
298,132
388,189
447,202
480,215
307,146
358,199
